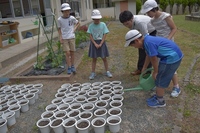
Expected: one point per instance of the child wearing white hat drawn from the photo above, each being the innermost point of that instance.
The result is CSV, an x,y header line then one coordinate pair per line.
x,y
169,55
165,27
98,47
67,26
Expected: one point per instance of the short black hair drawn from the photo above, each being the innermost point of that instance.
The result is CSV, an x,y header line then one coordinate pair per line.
x,y
125,16
154,9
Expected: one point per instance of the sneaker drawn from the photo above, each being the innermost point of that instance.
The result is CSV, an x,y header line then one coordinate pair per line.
x,y
108,74
69,71
73,69
154,103
151,98
175,92
92,75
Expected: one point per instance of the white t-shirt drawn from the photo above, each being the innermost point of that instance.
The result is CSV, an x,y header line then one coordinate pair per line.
x,y
142,23
67,26
161,25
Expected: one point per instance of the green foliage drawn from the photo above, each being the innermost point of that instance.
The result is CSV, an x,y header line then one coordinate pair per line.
x,y
39,64
55,58
187,113
163,4
106,19
184,4
138,6
81,36
191,88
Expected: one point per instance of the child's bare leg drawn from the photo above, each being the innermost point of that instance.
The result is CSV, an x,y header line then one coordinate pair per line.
x,y
67,53
72,57
94,61
175,80
105,64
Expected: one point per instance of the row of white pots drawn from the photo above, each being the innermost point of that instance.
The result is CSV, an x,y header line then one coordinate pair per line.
x,y
13,102
71,125
113,83
83,101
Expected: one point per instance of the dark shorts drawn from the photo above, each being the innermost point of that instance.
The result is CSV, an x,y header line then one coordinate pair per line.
x,y
166,73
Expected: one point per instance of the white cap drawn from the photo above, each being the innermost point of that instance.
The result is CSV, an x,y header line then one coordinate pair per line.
x,y
131,36
96,14
65,6
148,5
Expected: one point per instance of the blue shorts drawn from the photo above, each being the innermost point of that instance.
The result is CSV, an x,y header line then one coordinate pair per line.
x,y
166,73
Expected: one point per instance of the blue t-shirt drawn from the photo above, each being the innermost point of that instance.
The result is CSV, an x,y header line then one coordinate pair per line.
x,y
97,30
165,49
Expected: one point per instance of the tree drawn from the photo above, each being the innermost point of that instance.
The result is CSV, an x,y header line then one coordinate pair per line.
x,y
191,4
138,6
163,4
171,3
184,4
178,3
197,5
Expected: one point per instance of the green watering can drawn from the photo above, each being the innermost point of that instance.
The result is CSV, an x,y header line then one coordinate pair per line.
x,y
146,81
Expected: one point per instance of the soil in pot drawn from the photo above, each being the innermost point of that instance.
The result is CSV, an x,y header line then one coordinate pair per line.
x,y
83,124
114,112
98,123
48,115
56,122
60,115
101,112
74,114
85,115
70,123
92,99
101,104
114,121
116,104
87,107
43,123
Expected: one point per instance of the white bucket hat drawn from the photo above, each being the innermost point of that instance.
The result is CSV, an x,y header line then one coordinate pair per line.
x,y
65,6
96,14
148,5
131,36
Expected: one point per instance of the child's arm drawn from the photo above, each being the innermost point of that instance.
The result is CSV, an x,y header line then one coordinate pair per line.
x,y
146,62
103,39
60,35
76,26
172,25
154,62
95,44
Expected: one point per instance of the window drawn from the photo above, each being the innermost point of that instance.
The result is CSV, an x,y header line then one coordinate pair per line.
x,y
102,3
18,8
5,9
26,7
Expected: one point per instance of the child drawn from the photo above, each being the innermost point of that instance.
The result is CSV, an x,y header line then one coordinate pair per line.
x,y
169,55
67,25
165,27
98,47
141,23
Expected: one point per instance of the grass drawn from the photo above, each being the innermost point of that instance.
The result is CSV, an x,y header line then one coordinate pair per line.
x,y
181,23
188,38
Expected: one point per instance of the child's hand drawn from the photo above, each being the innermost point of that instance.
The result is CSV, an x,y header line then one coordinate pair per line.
x,y
154,75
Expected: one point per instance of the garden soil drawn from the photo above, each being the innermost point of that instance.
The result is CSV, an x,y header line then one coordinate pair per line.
x,y
181,114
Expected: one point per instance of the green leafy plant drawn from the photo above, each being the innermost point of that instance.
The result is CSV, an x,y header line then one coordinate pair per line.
x,y
138,6
39,64
81,36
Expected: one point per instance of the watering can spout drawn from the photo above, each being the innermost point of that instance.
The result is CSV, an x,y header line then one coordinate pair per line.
x,y
146,81
134,89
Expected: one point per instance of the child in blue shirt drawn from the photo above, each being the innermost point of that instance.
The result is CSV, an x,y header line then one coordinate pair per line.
x,y
170,57
98,47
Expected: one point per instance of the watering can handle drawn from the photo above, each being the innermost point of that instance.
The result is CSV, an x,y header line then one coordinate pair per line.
x,y
144,72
